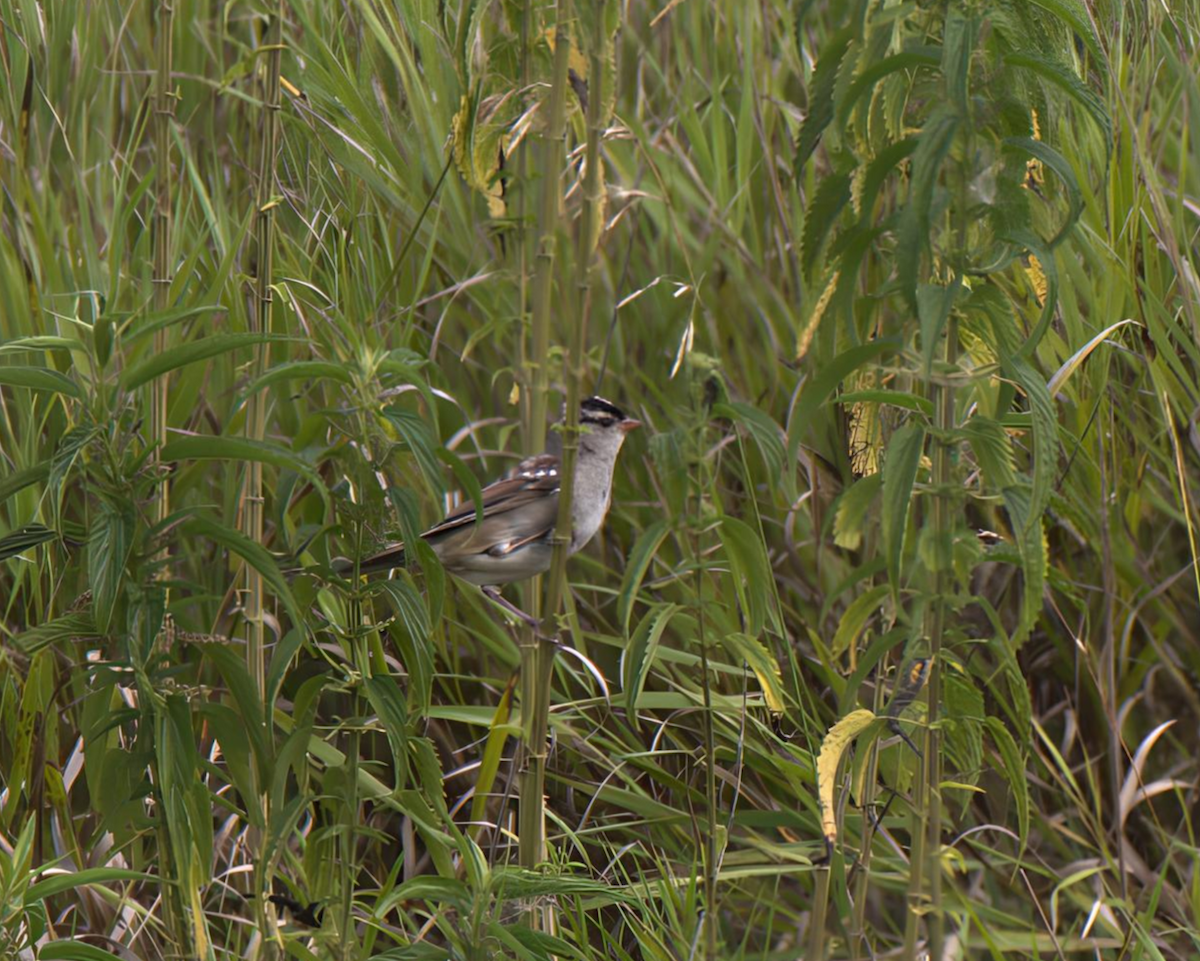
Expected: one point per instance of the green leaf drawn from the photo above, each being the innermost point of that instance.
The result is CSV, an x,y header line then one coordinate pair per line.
x,y
204,348
80,625
851,510
958,43
1042,151
23,538
1014,771
39,378
200,447
418,438
820,98
254,554
912,237
387,700
57,883
639,653
824,383
911,59
993,449
832,194
852,622
1075,14
307,370
109,546
899,474
933,308
750,571
245,696
638,563
762,662
766,433
74,950
19,480
1063,77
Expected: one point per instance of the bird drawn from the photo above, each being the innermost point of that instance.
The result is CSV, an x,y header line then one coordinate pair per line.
x,y
513,541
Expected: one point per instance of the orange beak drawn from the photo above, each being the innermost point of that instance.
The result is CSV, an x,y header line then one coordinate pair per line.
x,y
629,424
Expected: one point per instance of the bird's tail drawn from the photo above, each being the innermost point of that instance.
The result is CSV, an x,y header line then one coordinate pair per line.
x,y
386,560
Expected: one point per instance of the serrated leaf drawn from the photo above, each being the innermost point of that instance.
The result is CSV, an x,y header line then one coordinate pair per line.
x,y
824,383
820,98
1013,768
749,570
832,195
911,59
387,700
1063,77
638,655
644,549
833,746
1075,14
912,237
764,665
934,302
993,451
899,475
109,545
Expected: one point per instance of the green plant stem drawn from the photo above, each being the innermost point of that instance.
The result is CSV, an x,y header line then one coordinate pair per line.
x,y
537,653
255,429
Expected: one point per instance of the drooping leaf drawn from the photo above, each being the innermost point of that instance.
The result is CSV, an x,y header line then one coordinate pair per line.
x,y
833,746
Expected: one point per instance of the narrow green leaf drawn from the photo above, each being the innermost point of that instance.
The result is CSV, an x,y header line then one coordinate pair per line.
x,y
749,570
1013,765
22,539
39,378
855,617
19,480
203,447
254,554
639,653
762,662
832,195
109,546
307,370
820,98
387,700
824,383
899,474
204,348
644,549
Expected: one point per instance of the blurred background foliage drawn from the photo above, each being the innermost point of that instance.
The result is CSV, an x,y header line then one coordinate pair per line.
x,y
889,644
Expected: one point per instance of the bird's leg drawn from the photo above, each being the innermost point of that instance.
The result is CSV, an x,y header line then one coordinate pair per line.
x,y
494,594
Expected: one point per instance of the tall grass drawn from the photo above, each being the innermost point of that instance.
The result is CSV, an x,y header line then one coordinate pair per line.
x,y
876,277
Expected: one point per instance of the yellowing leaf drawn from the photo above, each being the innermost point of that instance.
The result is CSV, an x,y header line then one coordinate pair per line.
x,y
832,749
804,341
763,664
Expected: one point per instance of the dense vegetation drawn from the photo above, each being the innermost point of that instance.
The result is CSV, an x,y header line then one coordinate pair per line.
x,y
889,646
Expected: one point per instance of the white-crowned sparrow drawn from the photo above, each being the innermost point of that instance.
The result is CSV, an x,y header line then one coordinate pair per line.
x,y
513,540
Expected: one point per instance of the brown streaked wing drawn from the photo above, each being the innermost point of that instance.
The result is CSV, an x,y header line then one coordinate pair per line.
x,y
535,478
